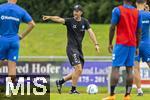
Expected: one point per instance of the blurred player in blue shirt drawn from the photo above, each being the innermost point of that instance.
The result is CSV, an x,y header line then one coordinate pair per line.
x,y
144,47
11,15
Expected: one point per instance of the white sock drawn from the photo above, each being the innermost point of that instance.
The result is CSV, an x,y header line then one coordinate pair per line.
x,y
139,90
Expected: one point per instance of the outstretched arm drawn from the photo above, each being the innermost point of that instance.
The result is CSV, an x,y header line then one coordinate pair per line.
x,y
54,18
93,38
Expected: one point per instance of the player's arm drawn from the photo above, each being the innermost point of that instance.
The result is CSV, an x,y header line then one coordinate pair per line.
x,y
111,37
138,34
55,19
31,25
114,22
138,37
26,18
93,38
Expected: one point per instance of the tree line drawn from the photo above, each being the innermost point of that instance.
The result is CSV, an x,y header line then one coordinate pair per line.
x,y
96,11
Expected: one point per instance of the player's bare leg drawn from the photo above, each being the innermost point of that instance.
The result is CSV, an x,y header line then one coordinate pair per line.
x,y
75,76
59,83
11,73
68,77
12,70
137,78
114,81
2,62
129,82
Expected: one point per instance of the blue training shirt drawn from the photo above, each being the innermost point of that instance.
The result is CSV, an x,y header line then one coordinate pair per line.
x,y
116,15
145,38
11,15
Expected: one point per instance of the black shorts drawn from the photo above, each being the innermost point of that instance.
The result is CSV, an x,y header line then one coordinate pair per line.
x,y
75,56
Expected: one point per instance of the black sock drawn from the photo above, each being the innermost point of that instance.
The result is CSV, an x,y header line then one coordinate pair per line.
x,y
73,88
128,90
62,81
112,90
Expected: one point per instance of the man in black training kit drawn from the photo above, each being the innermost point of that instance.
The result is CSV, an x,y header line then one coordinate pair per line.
x,y
76,27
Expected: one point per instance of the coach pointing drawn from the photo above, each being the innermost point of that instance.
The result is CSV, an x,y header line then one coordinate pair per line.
x,y
76,27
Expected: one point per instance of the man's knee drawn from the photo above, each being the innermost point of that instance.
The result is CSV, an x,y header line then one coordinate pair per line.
x,y
129,70
115,71
2,63
79,68
136,69
115,74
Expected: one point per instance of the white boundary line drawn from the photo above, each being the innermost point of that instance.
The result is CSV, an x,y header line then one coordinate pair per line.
x,y
63,57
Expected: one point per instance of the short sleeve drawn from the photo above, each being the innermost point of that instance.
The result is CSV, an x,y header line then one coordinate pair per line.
x,y
115,16
67,21
87,25
26,17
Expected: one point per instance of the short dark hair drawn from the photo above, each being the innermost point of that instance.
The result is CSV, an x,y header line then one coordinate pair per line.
x,y
78,7
133,1
140,1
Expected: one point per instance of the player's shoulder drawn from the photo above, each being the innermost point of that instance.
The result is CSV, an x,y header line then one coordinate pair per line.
x,y
145,14
116,10
12,6
148,13
84,19
3,5
20,8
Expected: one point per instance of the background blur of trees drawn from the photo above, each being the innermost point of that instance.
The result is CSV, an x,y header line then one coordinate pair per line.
x,y
97,11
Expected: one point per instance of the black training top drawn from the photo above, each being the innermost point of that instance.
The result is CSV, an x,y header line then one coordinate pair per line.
x,y
76,32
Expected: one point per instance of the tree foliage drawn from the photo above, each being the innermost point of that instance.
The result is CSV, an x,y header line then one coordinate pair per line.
x,y
97,11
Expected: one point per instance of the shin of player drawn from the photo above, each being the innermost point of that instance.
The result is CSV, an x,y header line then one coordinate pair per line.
x,y
128,22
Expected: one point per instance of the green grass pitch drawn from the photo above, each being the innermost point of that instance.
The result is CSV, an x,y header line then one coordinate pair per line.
x,y
93,97
51,40
102,93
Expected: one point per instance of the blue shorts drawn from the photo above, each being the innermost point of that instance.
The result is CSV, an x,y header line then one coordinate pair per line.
x,y
9,48
144,54
123,56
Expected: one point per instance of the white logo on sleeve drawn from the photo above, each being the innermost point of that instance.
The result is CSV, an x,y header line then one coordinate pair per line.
x,y
15,58
9,18
83,26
